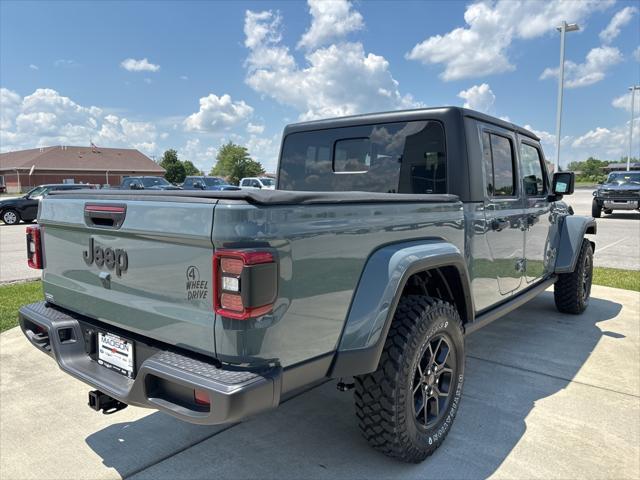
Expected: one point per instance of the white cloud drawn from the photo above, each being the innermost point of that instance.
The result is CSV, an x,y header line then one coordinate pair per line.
x,y
618,21
593,70
478,97
33,67
47,118
218,114
265,150
184,77
62,62
338,79
481,48
143,65
202,156
624,102
331,19
253,128
605,143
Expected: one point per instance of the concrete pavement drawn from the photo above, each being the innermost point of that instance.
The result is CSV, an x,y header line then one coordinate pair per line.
x,y
546,396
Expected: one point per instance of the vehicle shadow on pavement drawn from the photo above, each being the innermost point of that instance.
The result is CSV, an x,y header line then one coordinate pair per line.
x,y
622,215
512,364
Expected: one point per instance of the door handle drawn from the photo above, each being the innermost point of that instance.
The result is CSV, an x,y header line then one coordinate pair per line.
x,y
498,224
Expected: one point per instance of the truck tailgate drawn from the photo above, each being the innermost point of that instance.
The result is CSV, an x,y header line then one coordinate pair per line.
x,y
151,276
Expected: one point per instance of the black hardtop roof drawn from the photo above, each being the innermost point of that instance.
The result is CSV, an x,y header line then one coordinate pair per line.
x,y
405,115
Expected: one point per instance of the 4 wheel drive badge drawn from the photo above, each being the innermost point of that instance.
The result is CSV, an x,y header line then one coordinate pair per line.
x,y
112,259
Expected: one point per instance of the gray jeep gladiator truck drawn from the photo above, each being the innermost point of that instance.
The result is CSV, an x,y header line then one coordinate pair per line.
x,y
391,236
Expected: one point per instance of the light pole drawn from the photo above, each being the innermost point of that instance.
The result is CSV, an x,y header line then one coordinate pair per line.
x,y
633,95
565,27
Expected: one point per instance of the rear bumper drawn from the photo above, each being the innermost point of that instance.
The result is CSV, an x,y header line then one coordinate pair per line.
x,y
164,381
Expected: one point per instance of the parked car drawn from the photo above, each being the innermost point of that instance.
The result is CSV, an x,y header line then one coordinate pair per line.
x,y
258,182
147,183
207,183
25,208
213,307
620,191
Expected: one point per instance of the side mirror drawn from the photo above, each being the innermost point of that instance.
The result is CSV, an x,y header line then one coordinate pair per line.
x,y
563,184
136,186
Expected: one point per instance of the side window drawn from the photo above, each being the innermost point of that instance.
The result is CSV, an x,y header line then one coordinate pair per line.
x,y
188,183
254,183
532,171
126,182
499,161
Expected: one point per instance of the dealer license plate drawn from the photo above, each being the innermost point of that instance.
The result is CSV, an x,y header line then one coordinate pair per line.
x,y
116,353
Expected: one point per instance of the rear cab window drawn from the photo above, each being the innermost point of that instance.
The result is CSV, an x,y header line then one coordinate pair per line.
x,y
399,157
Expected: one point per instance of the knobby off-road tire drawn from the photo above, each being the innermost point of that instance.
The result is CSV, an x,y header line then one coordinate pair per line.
x,y
572,291
596,210
390,402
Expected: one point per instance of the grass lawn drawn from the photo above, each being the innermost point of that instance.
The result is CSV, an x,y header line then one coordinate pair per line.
x,y
12,297
617,278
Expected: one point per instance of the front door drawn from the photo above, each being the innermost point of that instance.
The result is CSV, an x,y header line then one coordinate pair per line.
x,y
537,210
503,210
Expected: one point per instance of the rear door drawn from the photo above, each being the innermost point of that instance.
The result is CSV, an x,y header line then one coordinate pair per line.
x,y
537,209
502,209
151,275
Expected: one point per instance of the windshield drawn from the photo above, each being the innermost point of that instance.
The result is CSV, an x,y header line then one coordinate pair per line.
x,y
213,181
153,181
624,177
267,182
36,192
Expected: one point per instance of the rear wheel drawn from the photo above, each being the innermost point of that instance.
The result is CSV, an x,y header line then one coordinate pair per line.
x,y
572,291
10,217
595,209
407,406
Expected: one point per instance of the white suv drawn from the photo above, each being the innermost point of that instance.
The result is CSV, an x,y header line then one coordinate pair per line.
x,y
258,182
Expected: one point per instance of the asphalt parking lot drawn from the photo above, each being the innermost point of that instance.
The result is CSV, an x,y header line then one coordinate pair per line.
x,y
546,396
617,241
618,238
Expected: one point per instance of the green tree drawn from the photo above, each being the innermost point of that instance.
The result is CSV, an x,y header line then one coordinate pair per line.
x,y
590,170
190,168
174,168
234,163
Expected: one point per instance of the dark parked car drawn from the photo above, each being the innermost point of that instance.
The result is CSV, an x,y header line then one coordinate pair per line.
x,y
207,183
25,208
621,191
147,183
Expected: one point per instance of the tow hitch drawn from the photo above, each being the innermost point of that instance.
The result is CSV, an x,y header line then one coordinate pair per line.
x,y
101,401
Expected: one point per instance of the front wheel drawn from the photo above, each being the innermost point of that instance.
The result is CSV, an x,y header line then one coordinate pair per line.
x,y
10,217
407,406
572,291
595,209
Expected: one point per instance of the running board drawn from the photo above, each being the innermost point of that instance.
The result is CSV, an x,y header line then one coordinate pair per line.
x,y
507,307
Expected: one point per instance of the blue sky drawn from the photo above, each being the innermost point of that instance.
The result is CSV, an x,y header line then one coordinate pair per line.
x,y
191,75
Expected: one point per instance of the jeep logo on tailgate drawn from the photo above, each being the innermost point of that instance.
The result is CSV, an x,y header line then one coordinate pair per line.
x,y
117,258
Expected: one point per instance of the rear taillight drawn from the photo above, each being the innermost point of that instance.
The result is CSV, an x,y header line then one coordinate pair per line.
x,y
34,247
245,283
